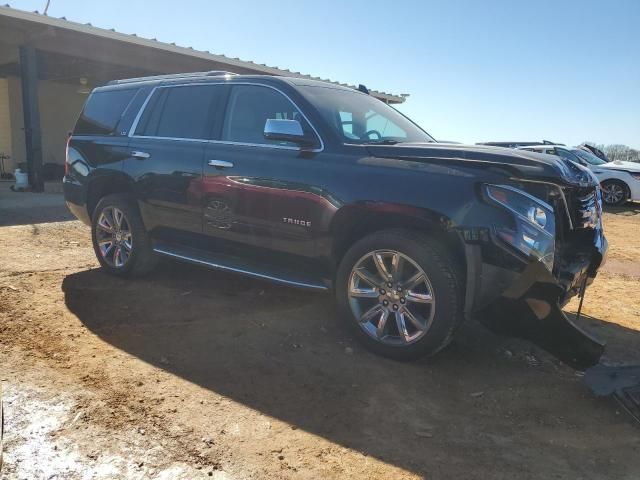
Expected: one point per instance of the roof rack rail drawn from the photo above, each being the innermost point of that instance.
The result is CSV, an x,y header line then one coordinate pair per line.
x,y
210,73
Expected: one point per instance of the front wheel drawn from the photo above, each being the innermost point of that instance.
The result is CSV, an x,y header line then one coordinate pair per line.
x,y
400,293
119,237
614,192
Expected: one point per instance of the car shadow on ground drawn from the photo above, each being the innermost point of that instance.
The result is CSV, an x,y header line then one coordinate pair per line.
x,y
622,343
35,215
26,208
629,208
284,353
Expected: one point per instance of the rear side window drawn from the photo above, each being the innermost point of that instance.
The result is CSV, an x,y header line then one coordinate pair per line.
x,y
180,112
103,111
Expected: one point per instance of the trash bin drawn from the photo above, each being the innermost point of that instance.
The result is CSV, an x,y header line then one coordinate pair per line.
x,y
22,180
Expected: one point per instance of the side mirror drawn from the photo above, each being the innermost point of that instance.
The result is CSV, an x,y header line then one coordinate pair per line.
x,y
286,131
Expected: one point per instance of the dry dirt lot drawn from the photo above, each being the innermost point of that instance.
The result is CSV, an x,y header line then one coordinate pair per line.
x,y
197,374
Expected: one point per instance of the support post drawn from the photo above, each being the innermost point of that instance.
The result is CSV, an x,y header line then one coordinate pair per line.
x,y
32,133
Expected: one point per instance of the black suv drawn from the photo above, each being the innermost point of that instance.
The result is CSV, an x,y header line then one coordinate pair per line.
x,y
324,187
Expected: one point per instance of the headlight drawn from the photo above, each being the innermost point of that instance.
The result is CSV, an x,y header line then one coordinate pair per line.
x,y
534,234
575,173
636,176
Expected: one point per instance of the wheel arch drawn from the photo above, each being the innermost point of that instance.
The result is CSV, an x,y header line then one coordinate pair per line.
x,y
106,184
353,222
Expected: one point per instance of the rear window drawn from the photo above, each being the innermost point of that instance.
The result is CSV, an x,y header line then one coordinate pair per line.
x,y
103,111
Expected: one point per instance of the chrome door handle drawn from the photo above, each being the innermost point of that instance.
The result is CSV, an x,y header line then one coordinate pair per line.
x,y
220,164
141,155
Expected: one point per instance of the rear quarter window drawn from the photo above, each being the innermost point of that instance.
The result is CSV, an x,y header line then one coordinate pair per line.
x,y
103,111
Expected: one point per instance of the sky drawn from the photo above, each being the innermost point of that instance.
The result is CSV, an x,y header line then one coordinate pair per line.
x,y
485,70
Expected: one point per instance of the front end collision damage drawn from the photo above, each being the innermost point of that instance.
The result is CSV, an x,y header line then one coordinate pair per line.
x,y
530,308
523,297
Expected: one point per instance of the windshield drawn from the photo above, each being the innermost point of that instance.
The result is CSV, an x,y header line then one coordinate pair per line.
x,y
589,157
359,118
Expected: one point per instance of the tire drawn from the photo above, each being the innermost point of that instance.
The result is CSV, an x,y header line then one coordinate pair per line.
x,y
136,256
444,281
614,192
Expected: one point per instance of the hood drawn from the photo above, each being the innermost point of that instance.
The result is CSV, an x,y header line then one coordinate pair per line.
x,y
519,163
619,165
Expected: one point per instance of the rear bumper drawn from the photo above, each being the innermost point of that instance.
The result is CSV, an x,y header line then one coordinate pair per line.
x,y
75,195
525,300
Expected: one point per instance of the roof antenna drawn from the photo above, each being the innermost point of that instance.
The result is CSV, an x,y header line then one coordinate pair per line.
x,y
363,89
46,7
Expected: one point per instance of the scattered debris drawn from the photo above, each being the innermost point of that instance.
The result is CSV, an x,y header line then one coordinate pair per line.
x,y
532,360
623,382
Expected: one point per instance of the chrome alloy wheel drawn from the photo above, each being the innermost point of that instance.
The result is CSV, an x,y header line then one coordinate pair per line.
x,y
391,297
113,236
612,193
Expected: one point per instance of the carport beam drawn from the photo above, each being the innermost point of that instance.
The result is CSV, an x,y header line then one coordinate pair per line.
x,y
31,111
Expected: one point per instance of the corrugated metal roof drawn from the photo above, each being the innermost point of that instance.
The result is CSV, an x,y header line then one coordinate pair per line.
x,y
112,34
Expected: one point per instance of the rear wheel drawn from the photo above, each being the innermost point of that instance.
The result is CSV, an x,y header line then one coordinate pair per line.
x,y
614,192
120,240
399,291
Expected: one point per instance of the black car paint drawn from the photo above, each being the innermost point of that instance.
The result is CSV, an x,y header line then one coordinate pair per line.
x,y
305,205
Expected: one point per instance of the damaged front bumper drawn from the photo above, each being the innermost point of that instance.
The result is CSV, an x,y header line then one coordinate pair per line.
x,y
529,306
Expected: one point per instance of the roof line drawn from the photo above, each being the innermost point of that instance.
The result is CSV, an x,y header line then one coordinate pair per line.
x,y
111,34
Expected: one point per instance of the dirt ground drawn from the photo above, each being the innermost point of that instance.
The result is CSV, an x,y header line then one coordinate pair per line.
x,y
196,374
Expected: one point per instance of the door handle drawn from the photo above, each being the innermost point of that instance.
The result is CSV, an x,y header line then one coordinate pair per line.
x,y
140,155
220,164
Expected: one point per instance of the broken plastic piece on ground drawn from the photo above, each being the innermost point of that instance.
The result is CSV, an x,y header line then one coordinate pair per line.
x,y
621,381
529,308
547,327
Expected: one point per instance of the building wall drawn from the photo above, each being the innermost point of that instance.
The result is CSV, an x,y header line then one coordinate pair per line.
x,y
60,105
5,121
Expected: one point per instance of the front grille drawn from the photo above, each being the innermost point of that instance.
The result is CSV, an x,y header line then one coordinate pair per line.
x,y
587,208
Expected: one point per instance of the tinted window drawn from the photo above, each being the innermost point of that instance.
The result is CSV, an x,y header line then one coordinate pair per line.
x,y
249,108
102,112
180,112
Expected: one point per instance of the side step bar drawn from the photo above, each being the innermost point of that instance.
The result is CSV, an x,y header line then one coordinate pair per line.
x,y
230,263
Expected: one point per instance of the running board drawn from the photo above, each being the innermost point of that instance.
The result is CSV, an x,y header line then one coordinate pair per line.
x,y
230,263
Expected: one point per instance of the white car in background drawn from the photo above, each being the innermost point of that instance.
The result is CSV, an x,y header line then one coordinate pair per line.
x,y
620,181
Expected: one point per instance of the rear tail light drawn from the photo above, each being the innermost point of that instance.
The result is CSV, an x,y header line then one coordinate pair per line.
x,y
67,163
